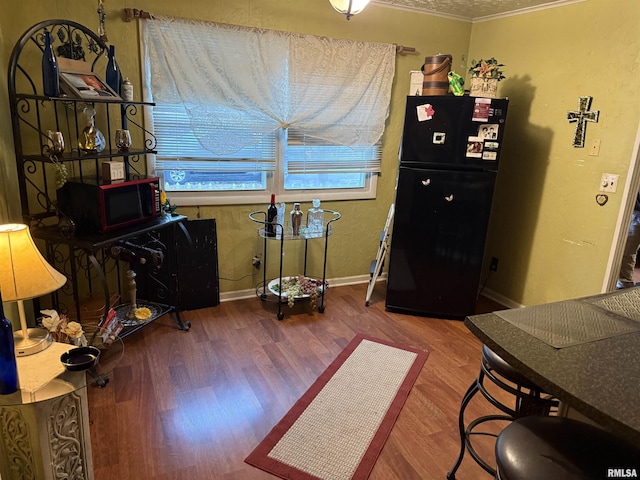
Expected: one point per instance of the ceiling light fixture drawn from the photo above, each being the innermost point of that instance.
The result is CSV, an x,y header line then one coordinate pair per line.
x,y
349,7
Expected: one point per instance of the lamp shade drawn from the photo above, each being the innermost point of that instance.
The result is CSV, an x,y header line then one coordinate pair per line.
x,y
349,7
24,273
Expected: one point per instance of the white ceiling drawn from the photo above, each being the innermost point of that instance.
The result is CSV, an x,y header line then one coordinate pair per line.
x,y
471,10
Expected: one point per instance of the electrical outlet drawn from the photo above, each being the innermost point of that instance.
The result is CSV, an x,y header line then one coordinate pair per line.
x,y
594,151
255,261
493,266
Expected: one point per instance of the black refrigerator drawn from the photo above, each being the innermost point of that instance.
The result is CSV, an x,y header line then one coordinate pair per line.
x,y
448,165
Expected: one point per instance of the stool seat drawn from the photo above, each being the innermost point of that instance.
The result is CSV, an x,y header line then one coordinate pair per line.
x,y
498,364
543,448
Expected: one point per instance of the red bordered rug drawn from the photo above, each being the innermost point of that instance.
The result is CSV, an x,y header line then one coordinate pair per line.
x,y
337,429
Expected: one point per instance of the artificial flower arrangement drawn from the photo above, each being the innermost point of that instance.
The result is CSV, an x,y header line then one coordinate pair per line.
x,y
64,331
61,329
487,69
166,206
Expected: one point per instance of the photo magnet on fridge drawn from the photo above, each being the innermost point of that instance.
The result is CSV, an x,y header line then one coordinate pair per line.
x,y
474,147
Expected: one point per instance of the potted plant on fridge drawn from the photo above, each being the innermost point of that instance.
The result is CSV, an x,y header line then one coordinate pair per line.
x,y
485,75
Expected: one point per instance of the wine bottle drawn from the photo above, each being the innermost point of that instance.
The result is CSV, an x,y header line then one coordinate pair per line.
x,y
272,213
113,75
50,70
8,365
124,254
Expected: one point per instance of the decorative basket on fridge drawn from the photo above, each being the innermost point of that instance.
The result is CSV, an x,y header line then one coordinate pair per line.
x,y
485,75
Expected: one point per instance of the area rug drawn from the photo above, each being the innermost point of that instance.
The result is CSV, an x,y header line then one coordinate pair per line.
x,y
337,429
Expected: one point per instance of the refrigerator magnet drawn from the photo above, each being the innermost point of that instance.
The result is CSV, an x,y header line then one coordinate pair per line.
x,y
488,131
474,147
490,151
481,110
439,138
425,112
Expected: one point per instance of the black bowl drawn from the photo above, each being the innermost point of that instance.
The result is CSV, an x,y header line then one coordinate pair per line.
x,y
80,358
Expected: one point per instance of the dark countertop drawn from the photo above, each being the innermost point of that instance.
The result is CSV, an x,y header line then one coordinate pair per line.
x,y
600,379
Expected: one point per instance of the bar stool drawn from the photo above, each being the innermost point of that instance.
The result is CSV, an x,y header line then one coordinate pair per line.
x,y
558,448
528,399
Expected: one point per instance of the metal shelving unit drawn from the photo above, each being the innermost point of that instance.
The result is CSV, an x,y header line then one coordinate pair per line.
x,y
83,258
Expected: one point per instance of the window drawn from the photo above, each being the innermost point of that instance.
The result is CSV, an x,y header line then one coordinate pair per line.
x,y
302,117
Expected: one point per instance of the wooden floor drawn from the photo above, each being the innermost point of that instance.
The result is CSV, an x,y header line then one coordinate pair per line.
x,y
192,405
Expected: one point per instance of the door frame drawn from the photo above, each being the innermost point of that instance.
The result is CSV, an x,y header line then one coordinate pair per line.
x,y
629,196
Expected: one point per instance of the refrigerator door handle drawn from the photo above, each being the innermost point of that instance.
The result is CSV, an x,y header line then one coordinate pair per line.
x,y
449,198
426,182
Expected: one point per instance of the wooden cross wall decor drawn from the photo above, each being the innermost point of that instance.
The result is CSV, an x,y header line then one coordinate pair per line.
x,y
581,117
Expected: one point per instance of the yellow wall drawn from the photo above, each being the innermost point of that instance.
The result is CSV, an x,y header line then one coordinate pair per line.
x,y
551,238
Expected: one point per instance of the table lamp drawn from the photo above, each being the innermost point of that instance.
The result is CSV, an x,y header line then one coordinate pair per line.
x,y
25,274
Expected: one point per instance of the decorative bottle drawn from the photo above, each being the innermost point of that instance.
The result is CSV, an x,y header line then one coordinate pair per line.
x,y
50,70
296,219
315,218
281,208
126,91
91,139
272,213
113,75
8,365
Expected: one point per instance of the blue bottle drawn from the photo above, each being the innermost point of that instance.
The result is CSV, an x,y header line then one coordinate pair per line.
x,y
8,366
113,75
50,70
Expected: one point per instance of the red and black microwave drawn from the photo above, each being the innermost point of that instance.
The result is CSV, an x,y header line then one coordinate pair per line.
x,y
102,206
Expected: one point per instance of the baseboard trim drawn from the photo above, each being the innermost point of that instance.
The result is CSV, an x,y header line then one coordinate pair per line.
x,y
354,280
501,299
357,279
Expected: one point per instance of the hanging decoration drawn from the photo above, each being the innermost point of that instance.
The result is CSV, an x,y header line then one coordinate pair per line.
x,y
581,117
102,33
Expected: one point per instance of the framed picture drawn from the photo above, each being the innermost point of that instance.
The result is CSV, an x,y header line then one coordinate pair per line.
x,y
86,85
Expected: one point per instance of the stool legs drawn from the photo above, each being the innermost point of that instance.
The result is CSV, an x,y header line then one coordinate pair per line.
x,y
527,398
472,390
466,432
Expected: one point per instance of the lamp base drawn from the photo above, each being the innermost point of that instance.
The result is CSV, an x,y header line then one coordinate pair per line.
x,y
38,339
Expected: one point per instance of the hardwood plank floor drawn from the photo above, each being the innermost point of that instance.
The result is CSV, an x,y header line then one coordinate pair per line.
x,y
192,405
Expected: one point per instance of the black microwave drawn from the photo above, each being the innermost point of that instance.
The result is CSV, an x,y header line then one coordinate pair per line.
x,y
102,206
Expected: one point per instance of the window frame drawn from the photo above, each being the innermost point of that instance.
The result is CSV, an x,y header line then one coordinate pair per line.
x,y
274,184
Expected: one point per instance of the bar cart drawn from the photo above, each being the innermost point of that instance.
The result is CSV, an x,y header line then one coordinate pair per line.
x,y
270,290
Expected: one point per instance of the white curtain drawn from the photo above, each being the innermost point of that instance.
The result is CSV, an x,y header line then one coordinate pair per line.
x,y
330,89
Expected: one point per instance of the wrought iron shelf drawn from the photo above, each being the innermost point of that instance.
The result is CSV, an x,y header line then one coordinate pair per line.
x,y
66,98
79,156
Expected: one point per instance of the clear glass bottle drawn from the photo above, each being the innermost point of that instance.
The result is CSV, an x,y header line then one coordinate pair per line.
x,y
296,219
50,69
281,209
315,218
91,139
8,365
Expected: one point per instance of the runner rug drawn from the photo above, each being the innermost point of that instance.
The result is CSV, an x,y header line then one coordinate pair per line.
x,y
337,429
